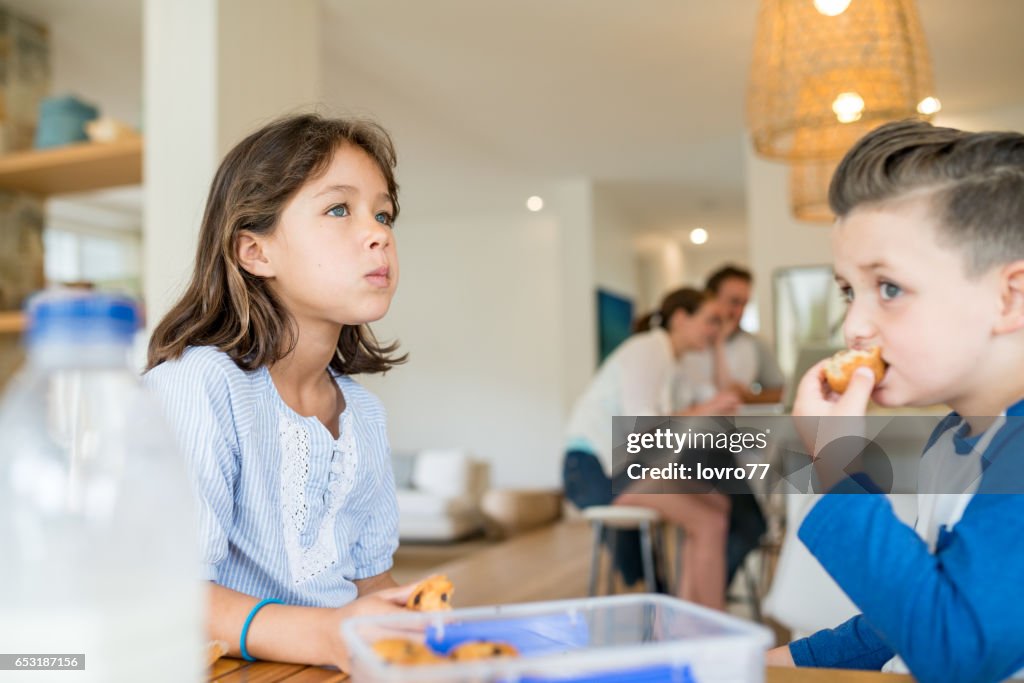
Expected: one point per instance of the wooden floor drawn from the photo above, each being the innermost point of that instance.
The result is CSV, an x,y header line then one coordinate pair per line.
x,y
551,563
413,561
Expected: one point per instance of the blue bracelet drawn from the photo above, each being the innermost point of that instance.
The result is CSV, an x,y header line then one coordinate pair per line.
x,y
245,627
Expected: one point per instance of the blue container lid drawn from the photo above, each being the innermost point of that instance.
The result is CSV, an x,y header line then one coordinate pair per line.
x,y
81,317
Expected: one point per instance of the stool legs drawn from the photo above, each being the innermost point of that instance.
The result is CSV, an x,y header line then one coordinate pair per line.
x,y
595,558
680,539
647,556
613,539
753,591
604,534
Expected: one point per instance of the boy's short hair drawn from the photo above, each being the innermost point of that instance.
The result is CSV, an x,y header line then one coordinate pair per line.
x,y
975,183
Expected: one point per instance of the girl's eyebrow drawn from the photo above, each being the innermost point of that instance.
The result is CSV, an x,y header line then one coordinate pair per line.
x,y
383,196
874,265
336,188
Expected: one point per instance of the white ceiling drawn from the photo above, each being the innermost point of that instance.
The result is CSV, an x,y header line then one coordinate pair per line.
x,y
645,97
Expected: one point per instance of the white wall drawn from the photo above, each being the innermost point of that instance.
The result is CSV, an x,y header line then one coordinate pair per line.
x,y
572,208
479,311
614,267
777,239
703,260
497,310
1003,118
109,78
668,263
661,265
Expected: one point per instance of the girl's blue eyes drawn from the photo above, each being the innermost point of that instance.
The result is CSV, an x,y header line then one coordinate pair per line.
x,y
341,211
886,290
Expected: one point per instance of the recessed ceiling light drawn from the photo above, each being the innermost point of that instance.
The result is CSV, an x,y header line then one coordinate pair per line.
x,y
534,203
698,235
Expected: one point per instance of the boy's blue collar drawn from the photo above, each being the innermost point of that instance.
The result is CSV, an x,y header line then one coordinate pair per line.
x,y
1016,410
964,444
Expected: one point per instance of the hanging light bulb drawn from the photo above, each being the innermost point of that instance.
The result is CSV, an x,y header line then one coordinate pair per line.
x,y
848,107
831,8
929,106
809,101
876,56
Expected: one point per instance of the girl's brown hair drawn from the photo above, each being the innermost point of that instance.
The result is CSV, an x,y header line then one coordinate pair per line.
x,y
226,306
686,299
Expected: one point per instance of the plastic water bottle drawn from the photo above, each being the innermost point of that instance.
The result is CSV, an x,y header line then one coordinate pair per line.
x,y
98,553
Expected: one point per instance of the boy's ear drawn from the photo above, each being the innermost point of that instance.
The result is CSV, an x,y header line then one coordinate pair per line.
x,y
1011,313
251,255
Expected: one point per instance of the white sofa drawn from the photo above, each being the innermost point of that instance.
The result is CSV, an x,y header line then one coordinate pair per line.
x,y
439,492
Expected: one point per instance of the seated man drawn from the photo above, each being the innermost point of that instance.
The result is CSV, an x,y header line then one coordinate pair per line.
x,y
739,361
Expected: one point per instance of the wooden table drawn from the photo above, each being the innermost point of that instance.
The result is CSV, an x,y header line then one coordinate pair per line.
x,y
508,573
238,671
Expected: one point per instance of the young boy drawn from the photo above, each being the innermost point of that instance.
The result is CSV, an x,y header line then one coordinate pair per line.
x,y
929,253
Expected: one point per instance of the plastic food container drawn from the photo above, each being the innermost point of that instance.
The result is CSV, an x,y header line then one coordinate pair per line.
x,y
637,638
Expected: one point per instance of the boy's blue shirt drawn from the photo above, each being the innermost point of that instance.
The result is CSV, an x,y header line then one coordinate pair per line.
x,y
957,614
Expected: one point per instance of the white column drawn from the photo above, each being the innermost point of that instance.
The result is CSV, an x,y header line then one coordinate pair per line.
x,y
572,203
777,239
268,63
214,71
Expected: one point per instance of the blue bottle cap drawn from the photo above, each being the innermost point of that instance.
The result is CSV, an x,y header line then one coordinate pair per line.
x,y
81,317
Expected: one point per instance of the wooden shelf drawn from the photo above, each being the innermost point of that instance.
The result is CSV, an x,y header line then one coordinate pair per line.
x,y
12,322
73,168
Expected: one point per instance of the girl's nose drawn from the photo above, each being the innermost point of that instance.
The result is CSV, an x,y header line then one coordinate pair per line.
x,y
378,235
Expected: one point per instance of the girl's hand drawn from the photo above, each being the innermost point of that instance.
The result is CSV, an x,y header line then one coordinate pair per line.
x,y
386,601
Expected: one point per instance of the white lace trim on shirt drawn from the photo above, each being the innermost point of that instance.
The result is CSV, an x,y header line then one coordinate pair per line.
x,y
307,560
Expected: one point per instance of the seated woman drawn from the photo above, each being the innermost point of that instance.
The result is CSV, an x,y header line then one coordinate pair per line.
x,y
640,378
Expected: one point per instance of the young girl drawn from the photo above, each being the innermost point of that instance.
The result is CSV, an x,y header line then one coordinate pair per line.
x,y
287,453
639,378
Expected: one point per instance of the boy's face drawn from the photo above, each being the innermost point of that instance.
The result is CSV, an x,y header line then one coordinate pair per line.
x,y
911,296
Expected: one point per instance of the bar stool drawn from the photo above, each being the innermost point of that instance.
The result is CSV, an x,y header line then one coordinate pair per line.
x,y
614,518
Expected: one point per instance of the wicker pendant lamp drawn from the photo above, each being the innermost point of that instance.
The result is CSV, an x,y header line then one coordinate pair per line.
x,y
808,190
825,72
